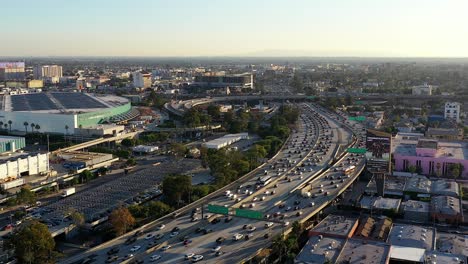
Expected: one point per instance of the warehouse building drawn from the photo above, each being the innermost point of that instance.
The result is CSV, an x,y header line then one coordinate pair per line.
x,y
15,165
11,144
226,140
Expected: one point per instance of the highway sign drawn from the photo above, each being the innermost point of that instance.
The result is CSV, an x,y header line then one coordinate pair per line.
x,y
249,214
359,102
217,209
357,118
311,97
357,150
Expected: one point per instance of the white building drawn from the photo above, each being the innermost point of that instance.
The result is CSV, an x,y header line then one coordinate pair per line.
x,y
14,165
422,90
226,140
142,79
52,73
452,111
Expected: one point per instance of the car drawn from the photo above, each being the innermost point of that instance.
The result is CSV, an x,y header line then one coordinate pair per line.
x,y
187,241
111,259
216,249
194,219
245,226
219,253
183,238
173,234
206,231
135,248
288,208
152,244
268,224
228,219
252,205
175,229
215,221
189,255
266,235
130,240
128,256
113,251
166,247
197,258
299,213
220,240
155,257
237,237
158,236
286,224
149,236
161,226
251,228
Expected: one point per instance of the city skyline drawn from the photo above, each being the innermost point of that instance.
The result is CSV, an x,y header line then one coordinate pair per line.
x,y
236,28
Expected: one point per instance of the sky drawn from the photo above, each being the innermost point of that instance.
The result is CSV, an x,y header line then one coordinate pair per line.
x,y
362,28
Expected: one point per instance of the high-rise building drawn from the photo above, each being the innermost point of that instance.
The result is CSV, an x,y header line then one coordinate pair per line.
x,y
10,71
51,73
142,79
452,111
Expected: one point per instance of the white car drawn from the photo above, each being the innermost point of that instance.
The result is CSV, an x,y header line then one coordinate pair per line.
x,y
161,226
237,237
155,257
216,249
189,255
173,234
286,223
149,236
251,228
197,258
166,247
268,225
135,248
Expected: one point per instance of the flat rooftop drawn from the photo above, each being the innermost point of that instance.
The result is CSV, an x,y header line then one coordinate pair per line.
x,y
418,184
59,102
319,249
445,187
336,225
457,150
364,252
416,206
452,243
411,236
445,205
446,258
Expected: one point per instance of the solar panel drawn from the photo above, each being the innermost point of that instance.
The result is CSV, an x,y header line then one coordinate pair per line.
x,y
32,102
77,101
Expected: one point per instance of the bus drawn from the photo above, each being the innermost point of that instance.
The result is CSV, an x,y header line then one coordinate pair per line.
x,y
349,169
264,180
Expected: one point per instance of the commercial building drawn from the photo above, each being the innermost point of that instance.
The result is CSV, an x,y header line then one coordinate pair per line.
x,y
50,73
452,243
418,187
445,187
226,140
335,226
431,157
376,228
364,252
411,236
16,164
100,130
11,144
320,249
446,134
416,211
144,149
60,112
446,209
35,84
240,81
12,71
422,90
446,258
77,160
452,111
142,79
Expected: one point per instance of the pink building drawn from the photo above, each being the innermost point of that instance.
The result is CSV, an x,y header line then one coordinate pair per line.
x,y
430,156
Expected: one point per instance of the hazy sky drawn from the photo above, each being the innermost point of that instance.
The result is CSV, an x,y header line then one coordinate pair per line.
x,y
416,28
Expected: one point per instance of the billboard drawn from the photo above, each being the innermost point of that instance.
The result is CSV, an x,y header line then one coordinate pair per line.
x,y
11,64
378,145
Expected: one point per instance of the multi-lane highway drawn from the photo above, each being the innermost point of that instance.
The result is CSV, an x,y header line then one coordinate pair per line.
x,y
298,183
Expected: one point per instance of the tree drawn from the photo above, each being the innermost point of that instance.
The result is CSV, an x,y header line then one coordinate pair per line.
x,y
9,124
178,150
26,124
297,84
66,129
213,111
1,125
127,142
176,189
121,220
412,169
86,176
26,196
76,217
131,162
158,209
37,127
33,243
32,127
279,247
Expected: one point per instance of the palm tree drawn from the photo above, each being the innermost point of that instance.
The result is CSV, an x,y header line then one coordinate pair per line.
x,y
1,124
66,129
37,127
26,124
6,126
32,127
9,124
279,247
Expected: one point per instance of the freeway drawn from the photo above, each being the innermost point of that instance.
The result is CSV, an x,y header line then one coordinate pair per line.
x,y
307,153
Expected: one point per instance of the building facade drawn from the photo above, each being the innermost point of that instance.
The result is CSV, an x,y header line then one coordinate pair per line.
x,y
142,79
452,111
12,71
47,71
